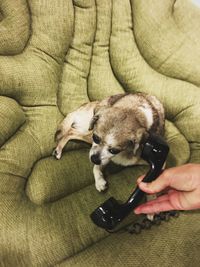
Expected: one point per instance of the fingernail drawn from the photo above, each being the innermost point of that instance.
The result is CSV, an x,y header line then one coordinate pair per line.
x,y
136,211
140,179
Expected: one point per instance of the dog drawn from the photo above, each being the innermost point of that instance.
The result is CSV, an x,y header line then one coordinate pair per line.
x,y
116,127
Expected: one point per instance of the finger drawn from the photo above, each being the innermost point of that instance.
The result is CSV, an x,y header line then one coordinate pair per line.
x,y
139,180
173,200
154,207
160,198
169,178
161,183
152,202
181,178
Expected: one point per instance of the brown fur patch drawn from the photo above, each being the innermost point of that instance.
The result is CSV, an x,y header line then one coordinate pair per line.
x,y
113,99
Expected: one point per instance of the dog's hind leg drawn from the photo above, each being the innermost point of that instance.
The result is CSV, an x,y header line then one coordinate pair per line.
x,y
57,152
62,136
75,126
71,134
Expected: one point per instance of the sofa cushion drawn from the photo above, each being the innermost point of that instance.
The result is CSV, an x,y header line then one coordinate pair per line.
x,y
60,55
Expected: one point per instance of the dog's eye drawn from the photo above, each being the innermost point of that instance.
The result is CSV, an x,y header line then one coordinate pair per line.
x,y
131,143
96,139
73,125
114,151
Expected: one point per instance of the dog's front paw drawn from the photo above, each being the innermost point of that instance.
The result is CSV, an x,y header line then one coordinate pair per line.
x,y
57,153
101,185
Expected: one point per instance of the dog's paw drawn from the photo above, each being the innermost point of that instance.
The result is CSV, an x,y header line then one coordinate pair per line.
x,y
101,185
57,153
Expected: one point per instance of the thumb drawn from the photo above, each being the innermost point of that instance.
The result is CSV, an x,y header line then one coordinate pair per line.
x,y
161,183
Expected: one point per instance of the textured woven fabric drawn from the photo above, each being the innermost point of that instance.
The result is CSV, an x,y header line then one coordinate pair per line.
x,y
55,56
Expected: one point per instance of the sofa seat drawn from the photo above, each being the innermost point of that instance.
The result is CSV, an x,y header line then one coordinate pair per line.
x,y
55,56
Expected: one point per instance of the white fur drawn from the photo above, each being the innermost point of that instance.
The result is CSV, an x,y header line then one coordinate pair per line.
x,y
105,155
81,120
120,160
100,182
147,111
110,140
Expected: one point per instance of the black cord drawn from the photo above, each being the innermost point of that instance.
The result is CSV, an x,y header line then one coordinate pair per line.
x,y
137,227
144,224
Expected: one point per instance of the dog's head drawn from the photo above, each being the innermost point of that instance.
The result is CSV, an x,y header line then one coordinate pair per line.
x,y
115,131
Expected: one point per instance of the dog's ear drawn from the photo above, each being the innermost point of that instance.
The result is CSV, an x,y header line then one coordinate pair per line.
x,y
93,121
142,135
137,139
99,110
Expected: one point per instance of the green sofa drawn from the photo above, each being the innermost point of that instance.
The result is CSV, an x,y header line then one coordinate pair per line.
x,y
55,56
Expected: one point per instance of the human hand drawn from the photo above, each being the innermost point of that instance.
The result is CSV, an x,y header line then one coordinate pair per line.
x,y
181,186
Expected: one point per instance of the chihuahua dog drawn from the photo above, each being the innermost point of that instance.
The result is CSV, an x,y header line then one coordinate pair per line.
x,y
116,127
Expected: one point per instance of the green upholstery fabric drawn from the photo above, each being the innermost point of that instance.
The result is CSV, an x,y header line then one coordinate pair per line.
x,y
56,55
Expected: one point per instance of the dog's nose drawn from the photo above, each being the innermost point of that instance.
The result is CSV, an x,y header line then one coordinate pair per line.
x,y
96,159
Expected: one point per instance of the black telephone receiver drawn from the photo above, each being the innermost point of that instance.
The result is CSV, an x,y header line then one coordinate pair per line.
x,y
110,213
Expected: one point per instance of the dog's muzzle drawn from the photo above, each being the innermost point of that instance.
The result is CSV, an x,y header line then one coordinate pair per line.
x,y
96,159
